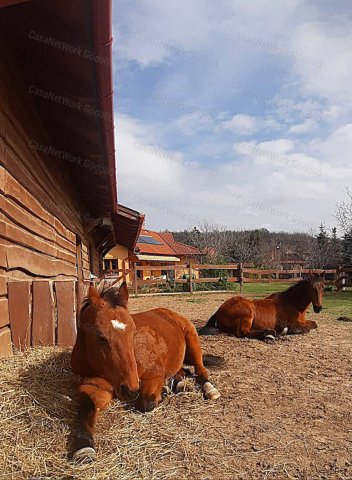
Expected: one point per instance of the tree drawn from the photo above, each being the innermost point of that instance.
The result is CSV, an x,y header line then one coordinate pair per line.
x,y
325,250
344,213
347,248
336,248
212,240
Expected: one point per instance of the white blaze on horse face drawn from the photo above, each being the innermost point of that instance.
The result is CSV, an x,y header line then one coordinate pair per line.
x,y
118,325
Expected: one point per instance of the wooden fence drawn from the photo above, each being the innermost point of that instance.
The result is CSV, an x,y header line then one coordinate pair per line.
x,y
224,274
44,312
343,277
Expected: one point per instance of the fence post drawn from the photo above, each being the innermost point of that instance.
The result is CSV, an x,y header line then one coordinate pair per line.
x,y
337,278
240,276
135,280
190,278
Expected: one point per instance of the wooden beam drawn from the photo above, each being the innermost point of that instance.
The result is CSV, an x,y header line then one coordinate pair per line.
x,y
66,318
4,312
19,314
5,342
43,321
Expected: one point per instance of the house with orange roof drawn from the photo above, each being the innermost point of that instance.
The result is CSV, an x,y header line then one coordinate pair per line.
x,y
186,253
153,250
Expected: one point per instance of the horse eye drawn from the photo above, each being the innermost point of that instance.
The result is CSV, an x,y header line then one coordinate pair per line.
x,y
102,339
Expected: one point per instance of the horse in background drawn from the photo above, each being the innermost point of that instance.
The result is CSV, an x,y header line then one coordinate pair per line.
x,y
279,313
130,357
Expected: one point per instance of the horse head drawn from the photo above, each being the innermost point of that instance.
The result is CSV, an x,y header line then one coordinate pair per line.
x,y
316,286
109,339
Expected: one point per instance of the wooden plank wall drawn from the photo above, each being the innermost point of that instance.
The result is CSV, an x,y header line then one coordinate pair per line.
x,y
34,242
40,216
85,261
41,313
40,224
22,138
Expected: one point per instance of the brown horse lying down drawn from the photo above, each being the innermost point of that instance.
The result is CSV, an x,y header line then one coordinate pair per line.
x,y
282,312
130,357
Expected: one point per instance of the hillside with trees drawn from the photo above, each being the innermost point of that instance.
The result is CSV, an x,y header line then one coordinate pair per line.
x,y
265,249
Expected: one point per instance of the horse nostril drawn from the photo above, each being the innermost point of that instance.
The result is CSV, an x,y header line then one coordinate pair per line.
x,y
127,393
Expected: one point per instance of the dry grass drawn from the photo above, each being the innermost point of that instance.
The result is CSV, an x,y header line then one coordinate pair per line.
x,y
285,412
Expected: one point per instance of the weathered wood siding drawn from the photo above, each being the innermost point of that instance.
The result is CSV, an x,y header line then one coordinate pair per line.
x,y
41,226
42,312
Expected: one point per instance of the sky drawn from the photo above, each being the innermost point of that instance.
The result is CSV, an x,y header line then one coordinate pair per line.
x,y
235,113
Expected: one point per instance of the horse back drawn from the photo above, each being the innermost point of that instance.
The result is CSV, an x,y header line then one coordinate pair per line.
x,y
266,313
232,313
160,340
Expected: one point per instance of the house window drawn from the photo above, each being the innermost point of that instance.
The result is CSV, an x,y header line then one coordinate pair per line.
x,y
114,265
106,264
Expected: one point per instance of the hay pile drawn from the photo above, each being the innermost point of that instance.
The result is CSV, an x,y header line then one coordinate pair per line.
x,y
285,413
37,416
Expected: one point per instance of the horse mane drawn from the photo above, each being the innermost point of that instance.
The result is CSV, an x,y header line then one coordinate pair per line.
x,y
297,294
297,286
110,294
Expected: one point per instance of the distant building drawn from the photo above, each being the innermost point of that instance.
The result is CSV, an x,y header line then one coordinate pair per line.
x,y
153,250
186,253
288,260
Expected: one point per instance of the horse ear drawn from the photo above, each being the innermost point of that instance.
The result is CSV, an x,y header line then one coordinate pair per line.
x,y
93,294
123,295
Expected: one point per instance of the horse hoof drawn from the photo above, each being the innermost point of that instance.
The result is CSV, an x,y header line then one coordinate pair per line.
x,y
183,386
210,391
84,455
284,331
269,338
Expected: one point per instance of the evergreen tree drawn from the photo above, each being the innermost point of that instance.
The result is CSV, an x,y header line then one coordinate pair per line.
x,y
347,248
322,237
336,249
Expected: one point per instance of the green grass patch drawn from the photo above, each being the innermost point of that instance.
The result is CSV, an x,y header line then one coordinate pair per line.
x,y
263,289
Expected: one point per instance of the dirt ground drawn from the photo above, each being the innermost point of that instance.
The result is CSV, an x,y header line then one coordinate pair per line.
x,y
285,412
286,408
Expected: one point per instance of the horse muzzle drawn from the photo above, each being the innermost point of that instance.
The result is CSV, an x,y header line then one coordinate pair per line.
x,y
125,394
317,308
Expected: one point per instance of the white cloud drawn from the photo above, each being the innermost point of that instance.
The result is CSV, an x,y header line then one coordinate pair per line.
x,y
330,42
192,123
258,188
241,124
140,166
304,127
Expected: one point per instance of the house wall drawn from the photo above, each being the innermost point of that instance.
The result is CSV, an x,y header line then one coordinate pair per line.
x,y
120,253
41,234
185,260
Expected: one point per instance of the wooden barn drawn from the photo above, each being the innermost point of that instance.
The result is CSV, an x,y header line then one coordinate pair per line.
x,y
58,200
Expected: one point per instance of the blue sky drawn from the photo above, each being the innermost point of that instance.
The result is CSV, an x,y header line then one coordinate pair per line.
x,y
237,113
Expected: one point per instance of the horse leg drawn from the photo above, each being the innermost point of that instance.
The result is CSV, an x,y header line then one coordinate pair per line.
x,y
93,396
302,326
178,381
150,394
194,356
247,331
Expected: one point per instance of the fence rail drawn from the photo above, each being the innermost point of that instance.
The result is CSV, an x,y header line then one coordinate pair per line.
x,y
198,274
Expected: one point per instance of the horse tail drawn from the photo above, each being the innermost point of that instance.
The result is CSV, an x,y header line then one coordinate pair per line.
x,y
210,327
213,360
